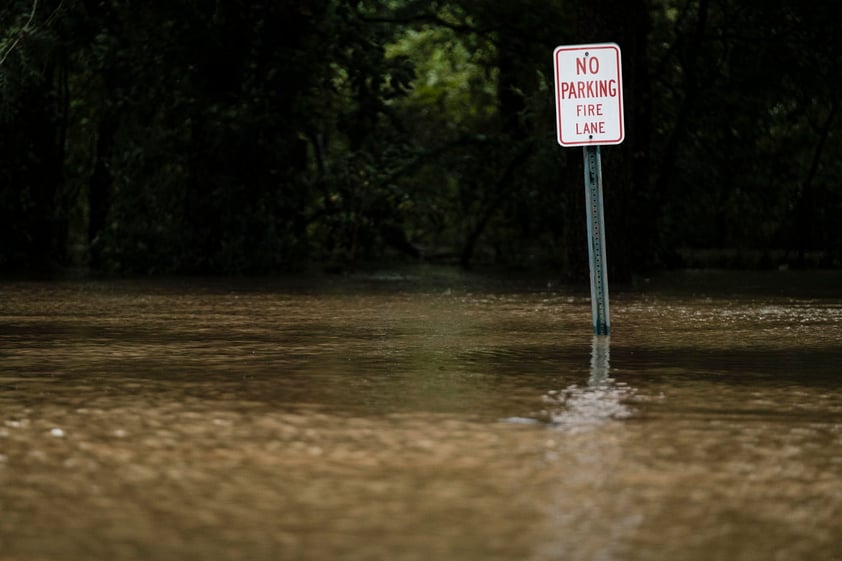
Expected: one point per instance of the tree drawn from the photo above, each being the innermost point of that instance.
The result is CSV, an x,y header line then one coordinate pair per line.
x,y
234,136
33,126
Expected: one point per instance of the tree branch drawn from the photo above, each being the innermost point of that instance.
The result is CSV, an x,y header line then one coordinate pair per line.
x,y
23,31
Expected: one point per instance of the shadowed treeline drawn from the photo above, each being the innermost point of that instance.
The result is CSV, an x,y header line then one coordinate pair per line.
x,y
256,136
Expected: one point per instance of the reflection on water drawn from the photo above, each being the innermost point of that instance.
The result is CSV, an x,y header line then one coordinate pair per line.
x,y
359,419
601,400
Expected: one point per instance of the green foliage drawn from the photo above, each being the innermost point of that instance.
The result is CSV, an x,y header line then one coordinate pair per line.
x,y
753,162
454,92
230,136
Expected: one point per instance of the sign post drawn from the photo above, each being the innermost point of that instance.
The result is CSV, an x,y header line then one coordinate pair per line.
x,y
589,113
596,243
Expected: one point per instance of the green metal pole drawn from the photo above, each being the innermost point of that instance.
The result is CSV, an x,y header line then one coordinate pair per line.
x,y
596,241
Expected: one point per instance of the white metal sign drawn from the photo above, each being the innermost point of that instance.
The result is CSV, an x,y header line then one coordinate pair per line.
x,y
589,94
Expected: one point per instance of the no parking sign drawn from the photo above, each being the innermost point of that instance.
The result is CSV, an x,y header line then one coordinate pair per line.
x,y
589,113
589,94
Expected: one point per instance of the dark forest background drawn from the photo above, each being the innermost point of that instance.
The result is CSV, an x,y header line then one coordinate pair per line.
x,y
252,136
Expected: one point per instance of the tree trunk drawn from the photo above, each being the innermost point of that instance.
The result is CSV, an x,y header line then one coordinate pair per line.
x,y
100,187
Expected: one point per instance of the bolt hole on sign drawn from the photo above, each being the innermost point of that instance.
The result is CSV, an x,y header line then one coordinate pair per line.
x,y
589,94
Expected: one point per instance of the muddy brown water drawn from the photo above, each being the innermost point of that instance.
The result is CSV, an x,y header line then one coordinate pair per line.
x,y
421,414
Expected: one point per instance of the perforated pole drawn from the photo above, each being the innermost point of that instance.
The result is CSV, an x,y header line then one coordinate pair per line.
x,y
596,241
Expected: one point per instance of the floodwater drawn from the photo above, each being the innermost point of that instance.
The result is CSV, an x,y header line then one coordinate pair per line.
x,y
421,414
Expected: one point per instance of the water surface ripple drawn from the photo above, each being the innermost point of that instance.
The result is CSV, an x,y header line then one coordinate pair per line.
x,y
421,415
